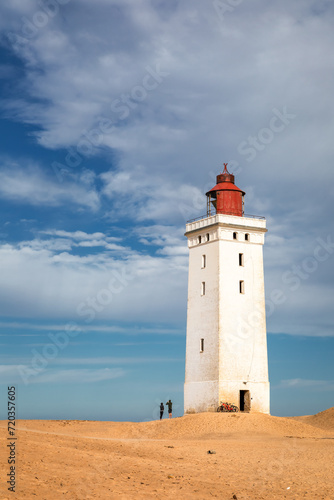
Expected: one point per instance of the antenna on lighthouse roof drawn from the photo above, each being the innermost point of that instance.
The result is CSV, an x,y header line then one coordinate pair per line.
x,y
225,168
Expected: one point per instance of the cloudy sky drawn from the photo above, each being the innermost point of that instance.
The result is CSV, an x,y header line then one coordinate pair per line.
x,y
116,116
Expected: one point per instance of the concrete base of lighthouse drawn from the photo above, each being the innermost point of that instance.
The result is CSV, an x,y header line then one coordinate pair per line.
x,y
206,396
248,396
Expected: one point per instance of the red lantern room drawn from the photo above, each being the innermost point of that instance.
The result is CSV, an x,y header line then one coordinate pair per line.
x,y
226,197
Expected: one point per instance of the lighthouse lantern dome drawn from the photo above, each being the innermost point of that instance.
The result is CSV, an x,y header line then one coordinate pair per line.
x,y
225,196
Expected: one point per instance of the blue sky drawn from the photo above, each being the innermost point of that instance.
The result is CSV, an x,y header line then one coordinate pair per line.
x,y
115,118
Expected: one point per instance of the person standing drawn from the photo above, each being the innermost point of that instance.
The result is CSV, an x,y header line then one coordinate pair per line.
x,y
161,410
170,406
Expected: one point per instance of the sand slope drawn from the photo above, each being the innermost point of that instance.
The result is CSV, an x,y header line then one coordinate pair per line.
x,y
322,420
191,426
255,457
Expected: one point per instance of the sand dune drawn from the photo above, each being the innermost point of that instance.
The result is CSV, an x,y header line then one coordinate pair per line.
x,y
196,426
323,420
254,456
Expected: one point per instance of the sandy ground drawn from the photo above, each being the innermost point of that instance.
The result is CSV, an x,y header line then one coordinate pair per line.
x,y
256,457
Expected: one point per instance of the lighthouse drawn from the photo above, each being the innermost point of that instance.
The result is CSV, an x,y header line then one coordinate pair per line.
x,y
226,347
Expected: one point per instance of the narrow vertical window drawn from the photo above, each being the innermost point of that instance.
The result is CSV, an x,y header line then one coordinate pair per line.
x,y
241,286
241,259
201,349
234,236
247,237
208,237
203,261
200,239
203,288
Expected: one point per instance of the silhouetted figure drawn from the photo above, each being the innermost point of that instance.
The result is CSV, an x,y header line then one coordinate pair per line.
x,y
161,410
170,406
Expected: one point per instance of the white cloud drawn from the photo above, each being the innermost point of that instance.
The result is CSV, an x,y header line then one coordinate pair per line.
x,y
102,360
40,279
79,376
28,184
225,77
66,240
8,370
44,278
94,328
150,197
77,235
75,376
60,244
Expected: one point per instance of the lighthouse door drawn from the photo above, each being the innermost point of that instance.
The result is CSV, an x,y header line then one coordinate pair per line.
x,y
245,401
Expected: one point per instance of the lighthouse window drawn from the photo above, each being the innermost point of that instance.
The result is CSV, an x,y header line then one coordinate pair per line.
x,y
200,239
202,346
241,286
203,288
203,261
241,259
247,237
234,236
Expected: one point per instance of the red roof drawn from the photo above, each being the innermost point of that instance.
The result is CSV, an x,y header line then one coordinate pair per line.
x,y
225,186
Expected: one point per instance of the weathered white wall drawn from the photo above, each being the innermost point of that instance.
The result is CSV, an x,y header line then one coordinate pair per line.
x,y
202,368
232,324
201,396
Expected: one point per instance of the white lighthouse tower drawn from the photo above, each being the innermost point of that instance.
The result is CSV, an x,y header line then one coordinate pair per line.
x,y
226,351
